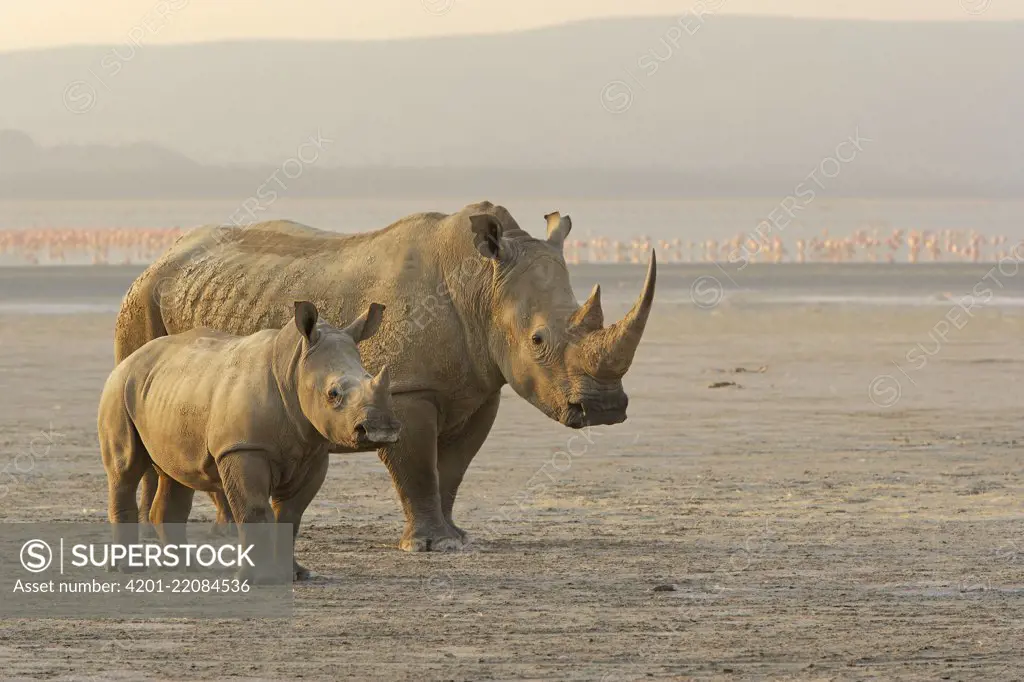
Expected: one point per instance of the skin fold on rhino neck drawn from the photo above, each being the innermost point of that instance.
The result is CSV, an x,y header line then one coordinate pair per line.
x,y
288,352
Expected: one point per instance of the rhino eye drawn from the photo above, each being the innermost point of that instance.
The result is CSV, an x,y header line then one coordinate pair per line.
x,y
537,339
333,394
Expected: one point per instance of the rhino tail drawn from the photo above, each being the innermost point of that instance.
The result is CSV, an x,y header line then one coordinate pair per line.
x,y
139,320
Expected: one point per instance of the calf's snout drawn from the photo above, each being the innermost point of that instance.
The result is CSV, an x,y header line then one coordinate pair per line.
x,y
377,429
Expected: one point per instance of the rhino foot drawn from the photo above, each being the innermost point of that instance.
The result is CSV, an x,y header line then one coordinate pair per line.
x,y
221,529
300,572
257,577
466,538
451,541
462,534
147,531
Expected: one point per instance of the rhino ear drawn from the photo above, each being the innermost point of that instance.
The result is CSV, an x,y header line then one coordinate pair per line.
x,y
306,316
367,324
558,228
486,235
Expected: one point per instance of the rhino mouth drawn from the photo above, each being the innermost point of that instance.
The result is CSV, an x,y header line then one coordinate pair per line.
x,y
580,415
368,434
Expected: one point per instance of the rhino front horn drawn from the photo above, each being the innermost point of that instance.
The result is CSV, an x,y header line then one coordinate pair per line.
x,y
381,382
624,336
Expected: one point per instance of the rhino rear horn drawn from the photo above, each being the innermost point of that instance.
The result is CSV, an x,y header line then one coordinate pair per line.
x,y
589,317
558,228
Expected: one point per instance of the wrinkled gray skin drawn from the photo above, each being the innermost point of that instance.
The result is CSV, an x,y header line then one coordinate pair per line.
x,y
251,418
477,303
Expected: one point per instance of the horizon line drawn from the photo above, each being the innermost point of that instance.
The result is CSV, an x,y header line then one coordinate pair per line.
x,y
967,20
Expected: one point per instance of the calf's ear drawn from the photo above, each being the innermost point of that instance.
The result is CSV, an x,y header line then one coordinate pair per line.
x,y
486,235
306,316
367,324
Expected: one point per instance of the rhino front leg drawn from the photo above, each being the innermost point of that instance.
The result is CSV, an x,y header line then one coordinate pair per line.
x,y
412,462
289,507
246,477
455,452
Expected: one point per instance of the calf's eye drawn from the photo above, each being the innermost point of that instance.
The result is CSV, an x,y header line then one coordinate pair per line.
x,y
537,339
333,394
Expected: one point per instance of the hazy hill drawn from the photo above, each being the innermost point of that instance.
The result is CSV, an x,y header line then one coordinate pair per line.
x,y
743,103
19,153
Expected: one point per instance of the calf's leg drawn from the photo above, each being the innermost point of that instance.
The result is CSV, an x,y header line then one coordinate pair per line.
x,y
288,508
246,477
147,493
139,321
224,517
172,505
125,460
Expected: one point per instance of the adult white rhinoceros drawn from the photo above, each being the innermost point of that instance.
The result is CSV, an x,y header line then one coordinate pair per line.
x,y
474,303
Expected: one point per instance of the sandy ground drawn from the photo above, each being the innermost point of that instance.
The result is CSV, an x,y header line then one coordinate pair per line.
x,y
809,533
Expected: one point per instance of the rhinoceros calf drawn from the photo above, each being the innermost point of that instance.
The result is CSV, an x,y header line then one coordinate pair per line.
x,y
481,304
252,418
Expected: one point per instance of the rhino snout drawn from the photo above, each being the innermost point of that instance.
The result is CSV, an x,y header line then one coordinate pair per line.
x,y
604,412
376,431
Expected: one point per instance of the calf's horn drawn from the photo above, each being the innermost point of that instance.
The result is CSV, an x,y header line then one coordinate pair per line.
x,y
381,383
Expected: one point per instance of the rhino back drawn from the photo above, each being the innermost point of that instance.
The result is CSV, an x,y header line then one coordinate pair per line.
x,y
202,391
242,280
245,279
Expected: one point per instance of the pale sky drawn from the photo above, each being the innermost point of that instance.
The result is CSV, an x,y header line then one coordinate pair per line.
x,y
44,23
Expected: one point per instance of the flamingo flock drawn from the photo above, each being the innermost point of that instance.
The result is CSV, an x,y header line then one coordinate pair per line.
x,y
863,245
870,245
98,246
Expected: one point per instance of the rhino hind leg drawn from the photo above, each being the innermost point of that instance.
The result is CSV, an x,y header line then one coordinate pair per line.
x,y
412,463
125,460
147,495
454,454
224,525
138,322
172,505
